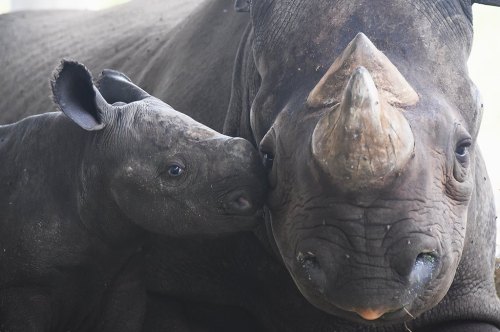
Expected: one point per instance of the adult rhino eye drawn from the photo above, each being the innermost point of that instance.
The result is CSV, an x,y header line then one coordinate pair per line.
x,y
175,170
268,160
462,151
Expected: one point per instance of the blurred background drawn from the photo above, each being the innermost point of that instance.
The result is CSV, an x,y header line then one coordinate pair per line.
x,y
10,5
484,66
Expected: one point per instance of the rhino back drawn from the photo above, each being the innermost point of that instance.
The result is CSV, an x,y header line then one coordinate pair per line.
x,y
34,42
37,202
147,49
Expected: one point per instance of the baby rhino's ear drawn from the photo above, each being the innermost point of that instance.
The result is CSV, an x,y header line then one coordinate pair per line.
x,y
76,96
115,87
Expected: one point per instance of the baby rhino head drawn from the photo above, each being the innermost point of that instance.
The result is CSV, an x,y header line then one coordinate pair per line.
x,y
165,172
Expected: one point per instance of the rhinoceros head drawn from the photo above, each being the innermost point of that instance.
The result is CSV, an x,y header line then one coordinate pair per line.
x,y
369,141
163,171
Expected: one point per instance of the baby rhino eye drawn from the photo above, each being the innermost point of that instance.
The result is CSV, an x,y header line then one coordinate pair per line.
x,y
175,170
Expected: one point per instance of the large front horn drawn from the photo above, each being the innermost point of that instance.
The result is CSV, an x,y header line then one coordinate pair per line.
x,y
365,139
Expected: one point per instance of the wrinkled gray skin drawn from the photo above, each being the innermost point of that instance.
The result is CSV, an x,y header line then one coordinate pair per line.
x,y
441,203
81,191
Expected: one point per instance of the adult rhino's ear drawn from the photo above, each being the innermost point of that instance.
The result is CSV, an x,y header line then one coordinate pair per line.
x,y
76,96
487,2
115,87
242,6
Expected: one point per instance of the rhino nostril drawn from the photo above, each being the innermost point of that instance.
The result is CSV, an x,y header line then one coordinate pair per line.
x,y
425,267
308,261
426,258
243,203
239,203
310,268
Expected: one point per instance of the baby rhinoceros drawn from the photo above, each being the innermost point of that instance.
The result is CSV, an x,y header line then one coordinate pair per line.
x,y
81,190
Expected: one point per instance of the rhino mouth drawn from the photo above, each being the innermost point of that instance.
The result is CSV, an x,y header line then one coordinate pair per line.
x,y
378,316
372,316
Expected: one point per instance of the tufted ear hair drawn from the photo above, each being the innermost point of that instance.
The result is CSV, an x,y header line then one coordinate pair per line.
x,y
242,6
495,3
76,96
116,87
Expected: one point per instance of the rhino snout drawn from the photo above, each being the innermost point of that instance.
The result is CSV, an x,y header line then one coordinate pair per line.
x,y
244,169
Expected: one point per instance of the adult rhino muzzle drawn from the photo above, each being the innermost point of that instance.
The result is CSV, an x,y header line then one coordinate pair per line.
x,y
364,140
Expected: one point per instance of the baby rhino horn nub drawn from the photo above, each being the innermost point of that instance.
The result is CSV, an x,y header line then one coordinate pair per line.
x,y
364,140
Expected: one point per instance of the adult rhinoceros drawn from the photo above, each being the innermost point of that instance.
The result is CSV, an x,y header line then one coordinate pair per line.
x,y
380,207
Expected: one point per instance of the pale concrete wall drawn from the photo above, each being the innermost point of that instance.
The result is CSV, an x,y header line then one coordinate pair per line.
x,y
37,4
484,67
61,4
